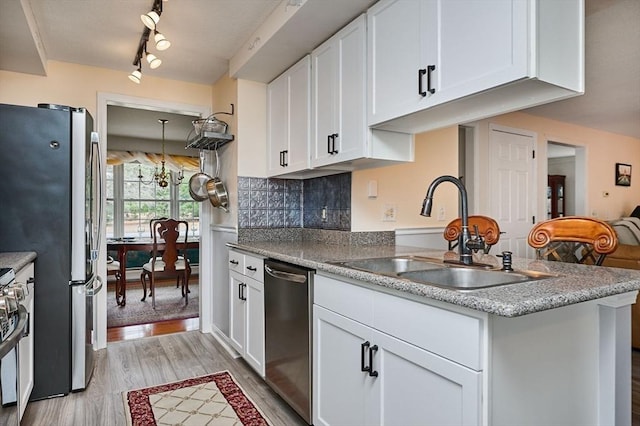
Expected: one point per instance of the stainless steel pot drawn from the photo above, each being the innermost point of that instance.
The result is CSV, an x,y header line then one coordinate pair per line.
x,y
198,182
216,190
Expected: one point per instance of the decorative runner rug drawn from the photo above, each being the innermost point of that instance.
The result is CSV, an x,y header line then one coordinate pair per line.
x,y
212,400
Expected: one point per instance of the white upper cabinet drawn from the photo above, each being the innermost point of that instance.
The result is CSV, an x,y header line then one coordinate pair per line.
x,y
288,118
427,57
339,96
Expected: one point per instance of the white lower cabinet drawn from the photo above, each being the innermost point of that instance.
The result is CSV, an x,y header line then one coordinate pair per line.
x,y
246,311
364,376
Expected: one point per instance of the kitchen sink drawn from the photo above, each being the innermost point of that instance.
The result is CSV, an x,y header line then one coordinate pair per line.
x,y
471,279
436,272
392,265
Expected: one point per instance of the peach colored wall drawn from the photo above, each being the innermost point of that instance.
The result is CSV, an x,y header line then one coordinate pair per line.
x,y
405,186
78,85
603,150
225,92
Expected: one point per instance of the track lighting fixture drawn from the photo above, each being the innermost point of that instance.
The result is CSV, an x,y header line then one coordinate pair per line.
x,y
161,42
136,76
150,21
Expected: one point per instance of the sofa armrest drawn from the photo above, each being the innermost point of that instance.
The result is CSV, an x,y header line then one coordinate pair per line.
x,y
625,256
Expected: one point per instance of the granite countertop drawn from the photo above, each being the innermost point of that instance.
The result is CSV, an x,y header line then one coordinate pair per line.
x,y
16,260
573,284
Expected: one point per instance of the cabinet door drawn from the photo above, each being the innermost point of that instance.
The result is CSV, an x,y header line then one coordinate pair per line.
x,y
339,384
299,118
481,45
397,49
254,343
277,124
417,387
237,296
339,88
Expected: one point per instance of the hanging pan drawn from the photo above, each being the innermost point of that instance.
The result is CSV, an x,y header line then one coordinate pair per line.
x,y
198,182
216,190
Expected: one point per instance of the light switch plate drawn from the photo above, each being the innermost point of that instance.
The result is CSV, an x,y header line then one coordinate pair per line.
x,y
389,213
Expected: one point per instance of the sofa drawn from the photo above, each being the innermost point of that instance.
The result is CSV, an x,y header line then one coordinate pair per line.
x,y
627,255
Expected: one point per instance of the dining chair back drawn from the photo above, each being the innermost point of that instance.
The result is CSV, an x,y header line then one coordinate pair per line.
x,y
487,228
573,239
168,257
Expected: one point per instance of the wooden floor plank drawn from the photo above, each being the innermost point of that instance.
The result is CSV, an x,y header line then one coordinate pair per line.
x,y
134,364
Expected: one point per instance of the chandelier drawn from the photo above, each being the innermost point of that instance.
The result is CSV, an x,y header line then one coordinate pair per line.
x,y
162,177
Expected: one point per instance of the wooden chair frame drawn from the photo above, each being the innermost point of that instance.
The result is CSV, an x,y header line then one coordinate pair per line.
x,y
487,227
573,239
166,234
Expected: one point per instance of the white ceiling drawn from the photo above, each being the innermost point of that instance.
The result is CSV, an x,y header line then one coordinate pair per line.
x,y
206,34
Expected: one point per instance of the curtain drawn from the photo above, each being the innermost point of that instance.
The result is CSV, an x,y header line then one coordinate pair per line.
x,y
172,162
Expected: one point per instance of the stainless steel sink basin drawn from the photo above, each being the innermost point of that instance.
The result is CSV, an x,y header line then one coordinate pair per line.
x,y
471,279
436,272
392,265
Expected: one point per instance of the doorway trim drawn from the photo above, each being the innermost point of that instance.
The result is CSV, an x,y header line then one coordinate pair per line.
x,y
581,207
105,99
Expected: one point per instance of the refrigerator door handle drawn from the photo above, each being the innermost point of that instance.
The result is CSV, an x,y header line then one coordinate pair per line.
x,y
95,145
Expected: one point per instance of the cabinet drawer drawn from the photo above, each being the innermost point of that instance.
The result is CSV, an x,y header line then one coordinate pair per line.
x,y
450,334
236,261
346,299
253,267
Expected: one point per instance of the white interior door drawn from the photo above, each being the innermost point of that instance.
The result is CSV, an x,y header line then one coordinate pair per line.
x,y
513,187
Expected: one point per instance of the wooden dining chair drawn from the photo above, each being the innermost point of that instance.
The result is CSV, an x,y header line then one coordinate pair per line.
x,y
573,239
113,268
167,259
487,228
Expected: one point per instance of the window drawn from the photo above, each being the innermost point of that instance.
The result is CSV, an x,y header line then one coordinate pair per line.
x,y
132,203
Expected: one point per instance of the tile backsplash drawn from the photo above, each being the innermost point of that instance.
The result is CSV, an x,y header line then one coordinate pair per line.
x,y
318,203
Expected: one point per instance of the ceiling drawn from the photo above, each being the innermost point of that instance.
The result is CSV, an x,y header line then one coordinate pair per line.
x,y
206,34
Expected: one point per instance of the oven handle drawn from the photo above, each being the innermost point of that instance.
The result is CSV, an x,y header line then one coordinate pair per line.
x,y
287,276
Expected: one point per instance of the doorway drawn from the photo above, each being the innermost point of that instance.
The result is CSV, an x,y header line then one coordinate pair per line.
x,y
569,161
104,101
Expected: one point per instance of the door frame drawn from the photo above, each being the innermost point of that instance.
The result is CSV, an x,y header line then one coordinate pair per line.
x,y
581,205
105,99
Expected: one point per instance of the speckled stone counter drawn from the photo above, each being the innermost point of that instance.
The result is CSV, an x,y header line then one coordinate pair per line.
x,y
16,260
573,284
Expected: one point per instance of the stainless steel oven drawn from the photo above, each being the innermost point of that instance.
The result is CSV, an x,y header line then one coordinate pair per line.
x,y
288,300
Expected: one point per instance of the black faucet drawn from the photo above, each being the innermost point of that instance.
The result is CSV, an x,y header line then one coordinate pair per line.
x,y
465,236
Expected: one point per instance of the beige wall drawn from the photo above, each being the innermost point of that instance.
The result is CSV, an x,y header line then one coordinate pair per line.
x,y
405,186
78,85
603,150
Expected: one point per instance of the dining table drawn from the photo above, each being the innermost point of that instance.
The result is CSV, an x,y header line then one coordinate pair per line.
x,y
124,245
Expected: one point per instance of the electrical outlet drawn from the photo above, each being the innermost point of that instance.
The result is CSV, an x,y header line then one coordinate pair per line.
x,y
441,213
389,213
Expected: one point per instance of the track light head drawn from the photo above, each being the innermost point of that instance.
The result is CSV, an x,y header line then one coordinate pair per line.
x,y
150,20
153,60
136,76
161,42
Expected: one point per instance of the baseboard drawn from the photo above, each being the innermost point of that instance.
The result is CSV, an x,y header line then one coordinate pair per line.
x,y
224,341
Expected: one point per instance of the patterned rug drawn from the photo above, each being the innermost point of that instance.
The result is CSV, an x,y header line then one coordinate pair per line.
x,y
169,305
212,400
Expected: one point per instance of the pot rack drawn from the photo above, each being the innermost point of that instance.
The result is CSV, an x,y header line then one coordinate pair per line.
x,y
211,140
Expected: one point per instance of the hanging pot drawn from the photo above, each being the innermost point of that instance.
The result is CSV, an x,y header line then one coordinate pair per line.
x,y
216,190
198,182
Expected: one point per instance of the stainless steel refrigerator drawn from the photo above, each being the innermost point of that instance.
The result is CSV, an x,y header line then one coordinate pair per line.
x,y
50,187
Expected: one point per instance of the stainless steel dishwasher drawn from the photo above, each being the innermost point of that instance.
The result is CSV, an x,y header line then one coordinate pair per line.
x,y
288,299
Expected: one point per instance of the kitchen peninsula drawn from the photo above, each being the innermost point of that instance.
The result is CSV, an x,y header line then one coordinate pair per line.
x,y
389,350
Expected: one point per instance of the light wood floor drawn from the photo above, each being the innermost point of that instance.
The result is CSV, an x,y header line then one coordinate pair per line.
x,y
133,364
